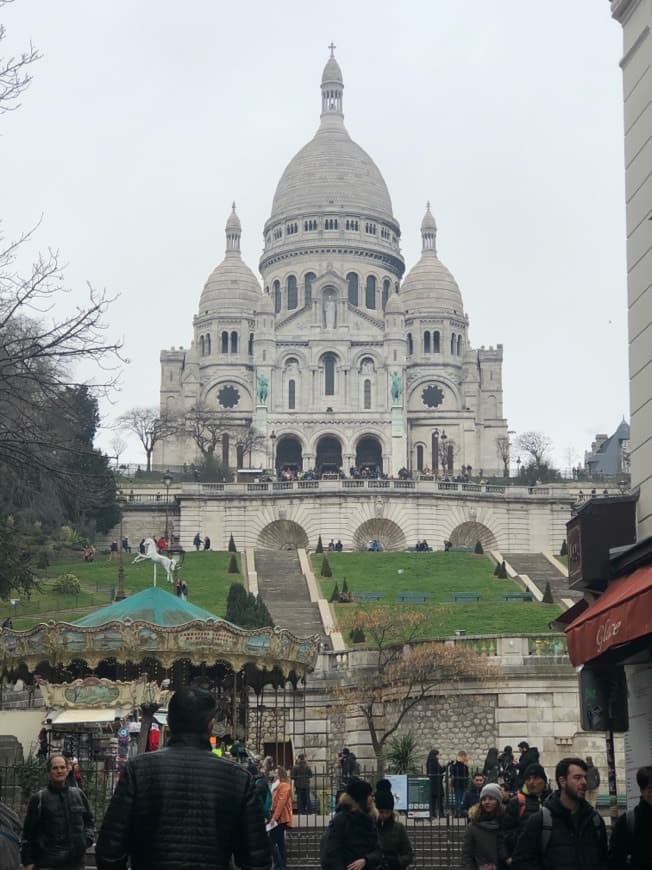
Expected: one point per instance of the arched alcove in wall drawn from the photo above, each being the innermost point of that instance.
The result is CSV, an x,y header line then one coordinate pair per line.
x,y
329,455
468,534
389,535
289,454
282,535
369,454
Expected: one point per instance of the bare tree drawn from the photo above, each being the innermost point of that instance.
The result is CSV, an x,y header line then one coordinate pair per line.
x,y
536,446
15,76
206,428
446,449
251,441
118,445
503,448
149,427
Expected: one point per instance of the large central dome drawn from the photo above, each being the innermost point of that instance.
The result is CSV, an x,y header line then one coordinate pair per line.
x,y
331,173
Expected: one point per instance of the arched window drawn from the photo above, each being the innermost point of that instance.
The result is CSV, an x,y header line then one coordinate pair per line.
x,y
307,288
386,288
435,341
250,349
240,451
329,374
208,345
410,344
459,345
234,342
202,349
453,344
277,296
426,342
370,292
291,395
419,457
449,458
435,451
225,342
225,449
367,395
292,293
352,281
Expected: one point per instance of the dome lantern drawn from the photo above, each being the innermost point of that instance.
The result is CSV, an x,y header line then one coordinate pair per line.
x,y
332,85
233,232
428,232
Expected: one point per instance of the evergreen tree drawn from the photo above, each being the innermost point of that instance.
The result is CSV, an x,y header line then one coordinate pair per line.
x,y
345,587
236,604
478,548
232,547
320,546
357,635
564,548
497,570
326,568
335,594
263,616
547,595
503,570
233,565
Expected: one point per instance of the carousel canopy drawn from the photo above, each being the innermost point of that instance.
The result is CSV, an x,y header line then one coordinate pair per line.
x,y
153,605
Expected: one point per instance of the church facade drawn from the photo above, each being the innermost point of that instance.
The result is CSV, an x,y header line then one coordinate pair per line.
x,y
338,360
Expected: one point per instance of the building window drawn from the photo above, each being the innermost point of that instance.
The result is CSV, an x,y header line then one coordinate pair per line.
x,y
419,457
410,344
202,349
449,458
225,342
426,342
453,344
239,450
234,342
250,349
291,395
435,341
208,345
329,374
435,451
330,224
459,345
293,300
370,292
352,281
386,287
367,395
225,449
307,288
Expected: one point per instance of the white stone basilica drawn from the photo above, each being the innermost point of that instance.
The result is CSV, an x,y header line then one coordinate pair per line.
x,y
337,361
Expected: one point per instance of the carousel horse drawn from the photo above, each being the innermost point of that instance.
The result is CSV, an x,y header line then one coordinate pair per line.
x,y
152,553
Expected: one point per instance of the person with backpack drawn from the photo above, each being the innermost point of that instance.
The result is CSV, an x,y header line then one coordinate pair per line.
x,y
567,833
59,825
631,839
520,808
491,769
351,840
508,770
301,776
261,788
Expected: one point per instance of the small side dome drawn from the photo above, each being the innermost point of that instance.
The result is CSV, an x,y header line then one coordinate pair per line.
x,y
429,286
395,304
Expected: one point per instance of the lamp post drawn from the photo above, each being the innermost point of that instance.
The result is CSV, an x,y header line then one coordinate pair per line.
x,y
120,593
272,438
518,467
167,483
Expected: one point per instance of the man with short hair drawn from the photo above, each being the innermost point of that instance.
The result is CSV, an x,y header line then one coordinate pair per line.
x,y
472,794
182,806
301,776
567,833
59,826
520,808
631,839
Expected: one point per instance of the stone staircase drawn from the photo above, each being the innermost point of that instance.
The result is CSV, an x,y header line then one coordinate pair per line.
x,y
541,571
285,592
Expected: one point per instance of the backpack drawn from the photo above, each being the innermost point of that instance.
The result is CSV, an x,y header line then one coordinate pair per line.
x,y
546,826
266,802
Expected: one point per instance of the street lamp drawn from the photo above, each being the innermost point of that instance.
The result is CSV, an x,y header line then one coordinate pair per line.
x,y
120,594
167,483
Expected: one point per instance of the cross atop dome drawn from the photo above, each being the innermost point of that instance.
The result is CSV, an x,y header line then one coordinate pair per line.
x,y
332,47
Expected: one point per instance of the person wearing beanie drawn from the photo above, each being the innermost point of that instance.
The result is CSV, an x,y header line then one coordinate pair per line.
x,y
383,785
525,803
351,840
480,846
395,843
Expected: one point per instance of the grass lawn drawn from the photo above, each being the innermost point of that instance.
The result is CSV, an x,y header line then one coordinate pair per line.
x,y
205,573
439,574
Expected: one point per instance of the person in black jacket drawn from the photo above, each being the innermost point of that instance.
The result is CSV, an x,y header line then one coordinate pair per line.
x,y
631,839
58,826
183,806
567,833
520,808
529,755
351,841
436,770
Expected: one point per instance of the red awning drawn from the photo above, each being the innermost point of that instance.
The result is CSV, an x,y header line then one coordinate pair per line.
x,y
623,613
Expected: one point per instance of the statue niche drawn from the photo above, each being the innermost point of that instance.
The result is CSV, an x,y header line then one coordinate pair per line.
x,y
329,309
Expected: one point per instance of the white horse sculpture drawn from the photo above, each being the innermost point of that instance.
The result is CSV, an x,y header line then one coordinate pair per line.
x,y
152,553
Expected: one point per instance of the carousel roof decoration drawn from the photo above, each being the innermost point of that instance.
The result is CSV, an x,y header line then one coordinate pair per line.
x,y
154,624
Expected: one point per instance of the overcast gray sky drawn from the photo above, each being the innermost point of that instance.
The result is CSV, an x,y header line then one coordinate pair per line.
x,y
146,118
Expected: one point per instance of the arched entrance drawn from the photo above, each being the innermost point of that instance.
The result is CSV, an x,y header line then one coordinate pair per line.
x,y
289,454
329,455
369,455
283,535
468,535
388,534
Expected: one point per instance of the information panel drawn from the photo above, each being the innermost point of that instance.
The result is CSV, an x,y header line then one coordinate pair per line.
x,y
418,797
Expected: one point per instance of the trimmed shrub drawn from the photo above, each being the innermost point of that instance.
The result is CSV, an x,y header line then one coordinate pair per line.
x,y
232,548
326,568
67,584
356,635
564,548
547,595
503,571
497,570
335,594
320,546
478,548
42,561
345,587
233,568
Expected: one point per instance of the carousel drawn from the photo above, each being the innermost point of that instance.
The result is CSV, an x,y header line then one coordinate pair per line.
x,y
119,665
